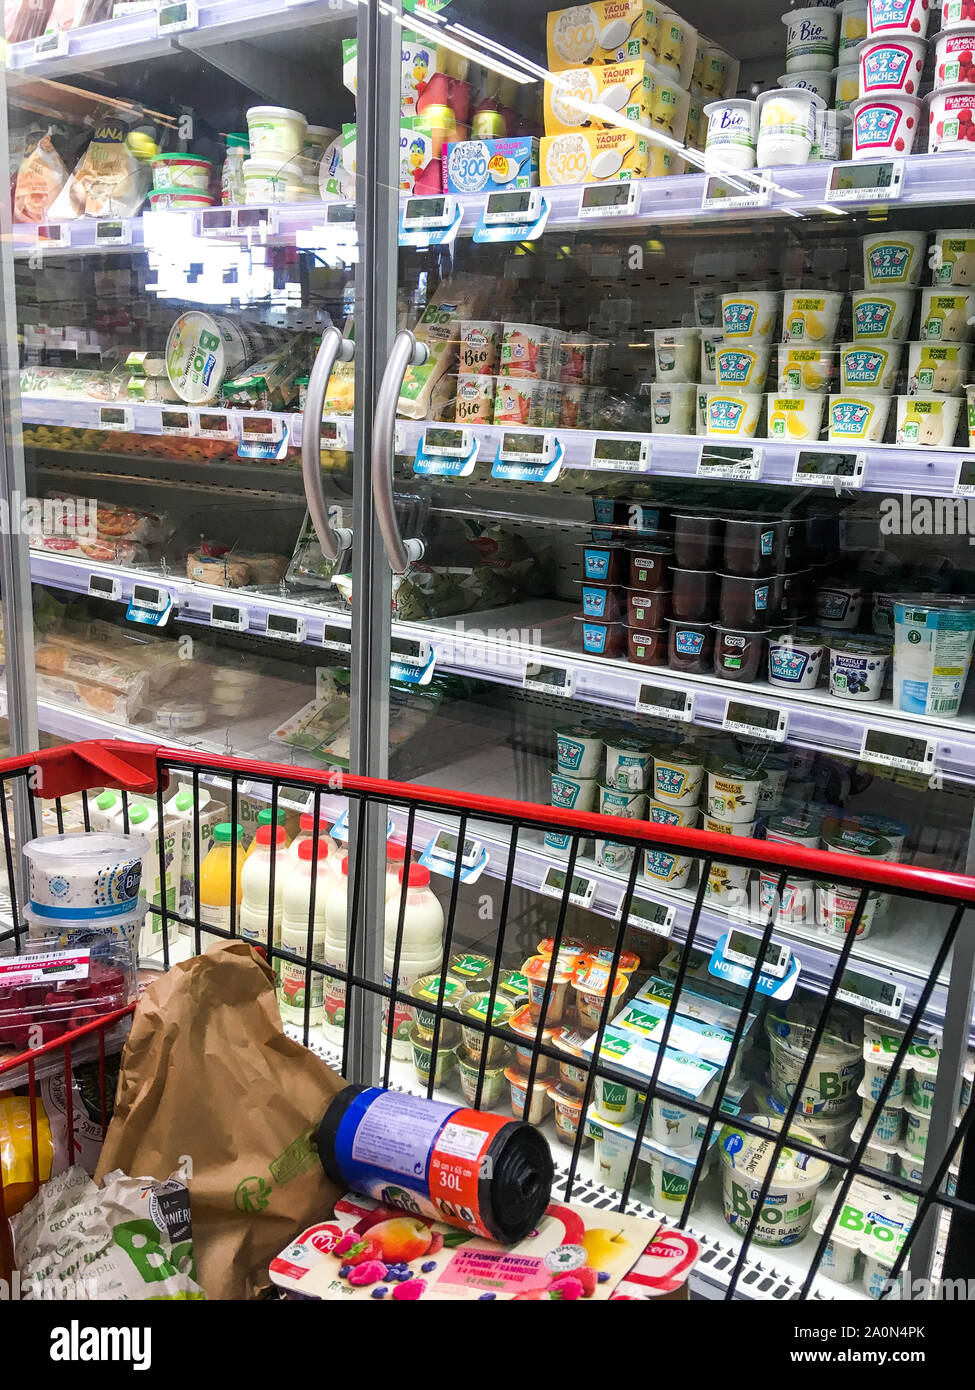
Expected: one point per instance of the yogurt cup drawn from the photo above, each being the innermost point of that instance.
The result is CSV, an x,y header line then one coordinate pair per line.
x,y
629,764
732,133
933,638
928,421
858,668
187,171
670,1181
882,315
673,408
832,1131
742,367
665,869
750,316
201,351
675,46
525,1026
955,12
711,340
804,370
612,1155
271,179
951,115
794,660
179,200
812,34
836,903
570,792
421,1047
733,415
475,400
479,348
846,82
887,1119
426,990
540,1100
676,353
678,776
537,968
786,125
613,1102
818,80
475,1008
578,750
810,317
526,349
885,1157
916,1126
839,606
857,418
830,1087
275,130
520,401
469,1068
893,259
841,1255
954,50
590,980
954,257
938,368
885,125
924,1077
693,597
880,1045
568,1112
795,416
853,26
945,315
877,1281
84,877
904,18
869,367
796,1179
891,66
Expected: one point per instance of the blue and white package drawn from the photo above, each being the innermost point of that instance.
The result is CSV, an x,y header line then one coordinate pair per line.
x,y
490,166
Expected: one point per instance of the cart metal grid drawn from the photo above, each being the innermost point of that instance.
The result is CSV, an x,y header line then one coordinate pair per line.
x,y
33,784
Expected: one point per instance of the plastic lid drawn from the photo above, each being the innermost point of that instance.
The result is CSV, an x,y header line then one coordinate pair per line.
x,y
138,814
306,847
264,817
395,853
225,832
345,865
184,801
419,877
239,138
106,800
263,836
307,822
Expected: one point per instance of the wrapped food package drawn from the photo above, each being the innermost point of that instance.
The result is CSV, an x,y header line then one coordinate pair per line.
x,y
109,180
24,19
463,297
40,178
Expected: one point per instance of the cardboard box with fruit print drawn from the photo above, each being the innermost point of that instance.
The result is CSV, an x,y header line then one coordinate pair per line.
x,y
371,1251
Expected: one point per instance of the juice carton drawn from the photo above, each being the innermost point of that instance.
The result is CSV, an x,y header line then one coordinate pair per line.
x,y
592,156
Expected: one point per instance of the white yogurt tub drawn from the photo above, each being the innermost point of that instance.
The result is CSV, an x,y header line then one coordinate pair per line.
x,y
316,141
836,903
82,877
882,316
795,416
794,662
187,171
711,340
933,638
927,421
953,51
916,1126
613,1101
946,315
835,1073
810,316
670,1180
876,1276
841,1255
673,408
941,369
806,369
271,180
880,1044
612,1155
275,130
629,764
832,1131
786,126
733,791
887,1119
900,18
891,66
924,1076
201,351
750,315
742,367
885,125
677,354
951,115
855,418
811,38
818,80
953,254
857,668
578,750
885,1157
732,415
853,26
745,1160
732,134
846,83
869,367
666,870
893,259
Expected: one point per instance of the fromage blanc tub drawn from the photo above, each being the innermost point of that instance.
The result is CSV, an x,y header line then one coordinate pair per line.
x,y
84,877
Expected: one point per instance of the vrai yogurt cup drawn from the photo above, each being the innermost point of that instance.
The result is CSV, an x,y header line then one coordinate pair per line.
x,y
857,418
928,421
951,119
904,18
677,353
894,259
891,66
946,315
810,316
954,58
882,315
787,1212
732,134
811,38
953,256
786,126
869,367
795,416
742,367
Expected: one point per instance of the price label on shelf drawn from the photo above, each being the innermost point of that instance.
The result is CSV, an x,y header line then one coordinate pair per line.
x,y
582,890
644,915
261,428
177,17
54,234
735,462
336,638
411,659
287,627
734,191
105,586
755,721
230,616
115,233
817,468
333,435
249,222
338,214
876,996
51,45
446,451
600,200
965,481
181,422
442,857
865,181
734,972
906,752
149,606
615,454
115,417
665,703
549,680
216,424
528,457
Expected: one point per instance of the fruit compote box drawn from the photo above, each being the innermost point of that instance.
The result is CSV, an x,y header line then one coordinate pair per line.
x,y
62,985
371,1251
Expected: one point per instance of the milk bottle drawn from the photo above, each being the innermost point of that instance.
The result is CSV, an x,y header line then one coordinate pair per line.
x,y
255,883
421,949
336,951
296,905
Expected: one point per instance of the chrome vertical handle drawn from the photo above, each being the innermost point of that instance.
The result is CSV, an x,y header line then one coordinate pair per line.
x,y
334,540
406,352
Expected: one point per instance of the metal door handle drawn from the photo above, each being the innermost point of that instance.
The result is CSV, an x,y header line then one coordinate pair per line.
x,y
335,541
407,352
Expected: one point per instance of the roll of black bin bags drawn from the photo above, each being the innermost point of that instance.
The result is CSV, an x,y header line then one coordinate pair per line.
x,y
483,1173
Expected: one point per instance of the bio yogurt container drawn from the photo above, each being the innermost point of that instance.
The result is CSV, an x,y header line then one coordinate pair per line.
x,y
786,125
201,351
928,421
275,130
732,133
933,638
857,667
811,37
837,1065
938,368
953,256
946,315
857,418
787,1210
954,57
84,877
951,116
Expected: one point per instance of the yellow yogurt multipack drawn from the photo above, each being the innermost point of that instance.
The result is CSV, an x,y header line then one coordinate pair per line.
x,y
620,89
606,31
592,156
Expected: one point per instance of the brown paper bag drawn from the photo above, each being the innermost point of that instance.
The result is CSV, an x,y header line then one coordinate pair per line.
x,y
211,1089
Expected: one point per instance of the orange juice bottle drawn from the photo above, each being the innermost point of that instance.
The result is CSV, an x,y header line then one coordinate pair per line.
x,y
264,818
215,876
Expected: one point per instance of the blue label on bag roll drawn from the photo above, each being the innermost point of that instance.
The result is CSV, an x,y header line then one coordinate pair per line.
x,y
384,1145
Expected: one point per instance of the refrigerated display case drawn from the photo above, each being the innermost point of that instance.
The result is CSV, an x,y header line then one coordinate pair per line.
x,y
508,392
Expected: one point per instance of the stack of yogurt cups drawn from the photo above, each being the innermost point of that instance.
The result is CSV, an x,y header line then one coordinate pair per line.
x,y
285,156
806,362
735,367
527,374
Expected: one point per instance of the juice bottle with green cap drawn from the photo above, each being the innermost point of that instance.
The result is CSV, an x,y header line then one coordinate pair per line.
x,y
220,878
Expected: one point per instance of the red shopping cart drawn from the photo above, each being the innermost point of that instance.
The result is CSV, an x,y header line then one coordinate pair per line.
x,y
509,870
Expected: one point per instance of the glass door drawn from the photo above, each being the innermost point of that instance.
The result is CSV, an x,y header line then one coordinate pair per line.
x,y
679,501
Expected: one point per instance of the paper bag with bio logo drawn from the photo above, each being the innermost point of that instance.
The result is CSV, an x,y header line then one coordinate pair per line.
x,y
212,1090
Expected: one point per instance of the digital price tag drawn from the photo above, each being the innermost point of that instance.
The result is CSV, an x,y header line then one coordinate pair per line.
x,y
549,680
743,950
177,422
884,997
114,417
731,192
339,214
423,213
528,457
51,45
177,17
216,424
333,435
582,890
149,606
54,234
230,616
336,638
261,428
447,440
730,461
233,221
651,917
441,857
105,586
447,452
609,200
865,181
217,221
286,627
613,453
444,846
724,967
411,659
115,233
965,482
755,721
816,468
522,205
665,703
906,752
